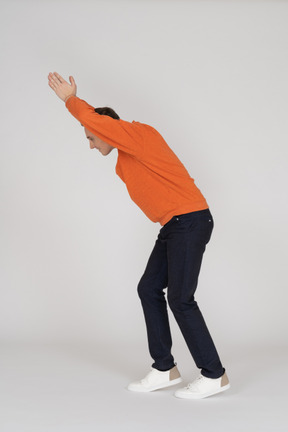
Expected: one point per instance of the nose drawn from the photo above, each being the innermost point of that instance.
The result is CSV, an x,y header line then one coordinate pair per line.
x,y
91,146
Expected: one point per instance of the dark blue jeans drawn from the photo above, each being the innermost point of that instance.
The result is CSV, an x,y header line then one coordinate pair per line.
x,y
175,264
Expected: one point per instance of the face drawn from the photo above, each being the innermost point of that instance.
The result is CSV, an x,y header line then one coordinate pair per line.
x,y
97,143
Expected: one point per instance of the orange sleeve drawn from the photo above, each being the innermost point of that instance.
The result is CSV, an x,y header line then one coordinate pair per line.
x,y
121,134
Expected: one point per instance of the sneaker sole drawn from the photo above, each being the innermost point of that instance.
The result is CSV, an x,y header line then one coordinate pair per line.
x,y
145,390
201,396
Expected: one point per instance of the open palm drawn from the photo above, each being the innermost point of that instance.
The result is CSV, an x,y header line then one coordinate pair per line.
x,y
61,87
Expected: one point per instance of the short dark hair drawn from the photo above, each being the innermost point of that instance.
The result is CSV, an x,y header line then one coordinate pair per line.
x,y
107,111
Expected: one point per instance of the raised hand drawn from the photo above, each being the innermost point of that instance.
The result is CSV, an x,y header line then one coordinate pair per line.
x,y
61,87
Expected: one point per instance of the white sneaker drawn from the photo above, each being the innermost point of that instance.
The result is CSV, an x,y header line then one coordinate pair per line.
x,y
203,387
156,379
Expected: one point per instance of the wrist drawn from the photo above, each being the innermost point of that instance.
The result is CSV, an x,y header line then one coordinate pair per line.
x,y
67,97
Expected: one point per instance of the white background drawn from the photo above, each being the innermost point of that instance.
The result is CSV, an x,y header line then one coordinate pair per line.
x,y
211,77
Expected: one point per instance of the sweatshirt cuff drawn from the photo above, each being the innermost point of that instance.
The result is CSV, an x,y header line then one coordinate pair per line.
x,y
68,97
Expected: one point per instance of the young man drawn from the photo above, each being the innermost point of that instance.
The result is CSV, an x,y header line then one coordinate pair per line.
x,y
160,185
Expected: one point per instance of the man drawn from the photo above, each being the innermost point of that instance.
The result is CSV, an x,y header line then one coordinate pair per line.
x,y
160,185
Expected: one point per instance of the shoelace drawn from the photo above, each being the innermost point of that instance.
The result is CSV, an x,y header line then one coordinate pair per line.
x,y
196,381
146,378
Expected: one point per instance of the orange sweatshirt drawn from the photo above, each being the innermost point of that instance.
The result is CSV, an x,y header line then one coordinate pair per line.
x,y
155,178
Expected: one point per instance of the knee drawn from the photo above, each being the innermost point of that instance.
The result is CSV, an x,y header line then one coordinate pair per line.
x,y
174,303
142,288
150,290
180,306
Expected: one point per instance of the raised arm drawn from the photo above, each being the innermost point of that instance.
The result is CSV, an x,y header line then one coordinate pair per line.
x,y
119,133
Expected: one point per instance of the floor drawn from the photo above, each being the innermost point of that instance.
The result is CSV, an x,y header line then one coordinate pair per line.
x,y
63,387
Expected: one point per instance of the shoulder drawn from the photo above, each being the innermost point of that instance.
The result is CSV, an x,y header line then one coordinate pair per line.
x,y
145,127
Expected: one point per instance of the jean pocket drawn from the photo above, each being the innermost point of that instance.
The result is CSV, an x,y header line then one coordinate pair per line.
x,y
209,222
201,224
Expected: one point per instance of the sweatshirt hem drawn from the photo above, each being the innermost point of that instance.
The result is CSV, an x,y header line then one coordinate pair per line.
x,y
182,210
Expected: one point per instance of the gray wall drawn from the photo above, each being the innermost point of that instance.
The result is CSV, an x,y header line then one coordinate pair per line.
x,y
211,77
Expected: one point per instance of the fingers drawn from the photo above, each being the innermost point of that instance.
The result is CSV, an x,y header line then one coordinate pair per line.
x,y
53,81
56,79
60,79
